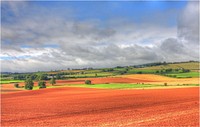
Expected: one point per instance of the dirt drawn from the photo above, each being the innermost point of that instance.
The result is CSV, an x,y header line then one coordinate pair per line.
x,y
97,107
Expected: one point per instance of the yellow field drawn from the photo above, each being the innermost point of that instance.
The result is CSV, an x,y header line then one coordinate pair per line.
x,y
158,79
189,65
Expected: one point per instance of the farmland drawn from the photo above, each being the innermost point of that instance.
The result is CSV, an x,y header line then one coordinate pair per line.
x,y
116,96
185,65
67,63
185,75
97,107
119,77
10,81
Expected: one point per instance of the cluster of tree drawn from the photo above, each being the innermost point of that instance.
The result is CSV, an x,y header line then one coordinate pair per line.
x,y
41,84
119,67
16,85
185,70
31,76
37,77
164,71
61,75
29,84
19,77
150,64
88,82
121,72
52,81
107,69
89,68
4,75
183,62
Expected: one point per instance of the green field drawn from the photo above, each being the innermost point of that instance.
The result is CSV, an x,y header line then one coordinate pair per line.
x,y
120,86
116,86
10,81
185,75
105,86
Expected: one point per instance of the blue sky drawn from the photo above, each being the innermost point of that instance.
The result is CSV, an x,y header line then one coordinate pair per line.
x,y
130,10
95,34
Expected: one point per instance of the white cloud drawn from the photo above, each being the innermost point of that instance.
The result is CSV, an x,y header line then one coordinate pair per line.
x,y
89,44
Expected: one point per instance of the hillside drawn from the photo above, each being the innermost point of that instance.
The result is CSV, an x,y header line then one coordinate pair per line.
x,y
185,65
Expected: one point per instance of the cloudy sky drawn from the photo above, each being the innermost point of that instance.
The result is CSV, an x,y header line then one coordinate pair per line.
x,y
41,36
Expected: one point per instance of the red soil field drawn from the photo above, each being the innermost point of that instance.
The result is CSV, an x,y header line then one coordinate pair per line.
x,y
97,107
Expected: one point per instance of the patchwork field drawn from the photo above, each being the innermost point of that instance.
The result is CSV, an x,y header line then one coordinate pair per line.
x,y
122,81
125,100
97,107
187,65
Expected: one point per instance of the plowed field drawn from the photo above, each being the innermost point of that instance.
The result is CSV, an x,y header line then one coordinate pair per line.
x,y
97,107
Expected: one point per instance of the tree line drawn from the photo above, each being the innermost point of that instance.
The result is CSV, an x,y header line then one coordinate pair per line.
x,y
29,83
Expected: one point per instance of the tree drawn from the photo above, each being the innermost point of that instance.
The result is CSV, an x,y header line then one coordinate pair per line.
x,y
16,85
88,82
168,70
42,84
52,81
139,72
29,84
58,76
41,77
185,70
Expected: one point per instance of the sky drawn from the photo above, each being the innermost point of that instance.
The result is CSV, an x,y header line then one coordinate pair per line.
x,y
43,36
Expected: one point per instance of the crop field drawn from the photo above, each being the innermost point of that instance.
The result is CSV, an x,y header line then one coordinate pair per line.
x,y
121,81
10,81
128,86
107,63
186,75
97,107
111,100
189,65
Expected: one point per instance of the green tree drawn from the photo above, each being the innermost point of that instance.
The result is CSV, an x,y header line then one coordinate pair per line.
x,y
27,76
41,77
88,82
29,84
58,76
16,85
52,81
42,84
